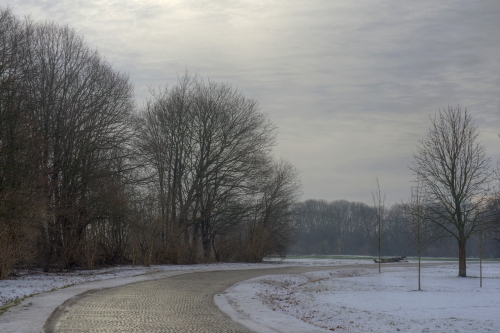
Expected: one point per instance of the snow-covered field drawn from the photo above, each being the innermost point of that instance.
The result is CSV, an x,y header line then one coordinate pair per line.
x,y
361,300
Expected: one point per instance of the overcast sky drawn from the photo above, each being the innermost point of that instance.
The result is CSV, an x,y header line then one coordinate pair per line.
x,y
350,84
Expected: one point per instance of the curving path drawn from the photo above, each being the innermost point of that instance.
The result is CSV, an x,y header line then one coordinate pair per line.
x,y
182,303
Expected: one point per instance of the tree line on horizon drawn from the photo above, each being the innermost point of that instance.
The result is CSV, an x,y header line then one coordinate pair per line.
x,y
89,179
343,227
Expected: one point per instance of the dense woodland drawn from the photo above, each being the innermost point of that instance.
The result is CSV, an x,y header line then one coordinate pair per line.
x,y
87,178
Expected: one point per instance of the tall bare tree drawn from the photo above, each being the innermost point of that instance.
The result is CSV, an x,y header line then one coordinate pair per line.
x,y
79,109
19,201
455,173
205,146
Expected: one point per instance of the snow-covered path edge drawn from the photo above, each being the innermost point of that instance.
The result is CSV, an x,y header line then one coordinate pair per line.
x,y
32,313
257,316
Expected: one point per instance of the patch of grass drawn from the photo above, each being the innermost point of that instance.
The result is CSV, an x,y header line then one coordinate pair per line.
x,y
15,302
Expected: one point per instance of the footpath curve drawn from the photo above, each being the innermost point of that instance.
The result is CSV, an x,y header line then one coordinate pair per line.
x,y
181,303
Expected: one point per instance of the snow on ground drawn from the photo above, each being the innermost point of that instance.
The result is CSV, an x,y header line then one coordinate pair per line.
x,y
361,300
347,300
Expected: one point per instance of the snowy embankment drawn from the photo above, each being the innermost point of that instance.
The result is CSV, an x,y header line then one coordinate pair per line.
x,y
361,300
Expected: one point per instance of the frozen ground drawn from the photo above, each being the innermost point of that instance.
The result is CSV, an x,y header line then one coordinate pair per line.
x,y
361,300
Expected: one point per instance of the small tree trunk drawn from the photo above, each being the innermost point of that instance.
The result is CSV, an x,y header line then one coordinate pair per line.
x,y
379,260
206,247
462,268
419,269
379,244
481,260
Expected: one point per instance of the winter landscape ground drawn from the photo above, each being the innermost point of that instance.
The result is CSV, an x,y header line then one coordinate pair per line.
x,y
346,300
362,300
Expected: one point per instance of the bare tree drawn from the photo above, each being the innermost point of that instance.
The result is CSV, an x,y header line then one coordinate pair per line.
x,y
420,230
233,140
63,127
79,108
271,229
19,202
375,224
165,147
494,205
455,173
204,146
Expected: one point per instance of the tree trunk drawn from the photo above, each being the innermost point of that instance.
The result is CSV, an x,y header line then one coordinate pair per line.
x,y
205,240
462,268
481,259
419,270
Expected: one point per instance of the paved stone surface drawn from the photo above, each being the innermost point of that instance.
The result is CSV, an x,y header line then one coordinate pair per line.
x,y
182,303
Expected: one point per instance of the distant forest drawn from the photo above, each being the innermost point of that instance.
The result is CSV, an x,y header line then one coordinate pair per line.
x,y
340,227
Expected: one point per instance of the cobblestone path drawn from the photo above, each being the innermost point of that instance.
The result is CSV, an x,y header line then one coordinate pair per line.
x,y
182,303
178,304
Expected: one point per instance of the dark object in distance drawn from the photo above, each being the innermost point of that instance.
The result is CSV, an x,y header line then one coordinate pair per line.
x,y
393,259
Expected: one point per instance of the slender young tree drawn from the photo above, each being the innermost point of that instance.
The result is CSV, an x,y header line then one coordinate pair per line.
x,y
375,224
420,230
455,173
